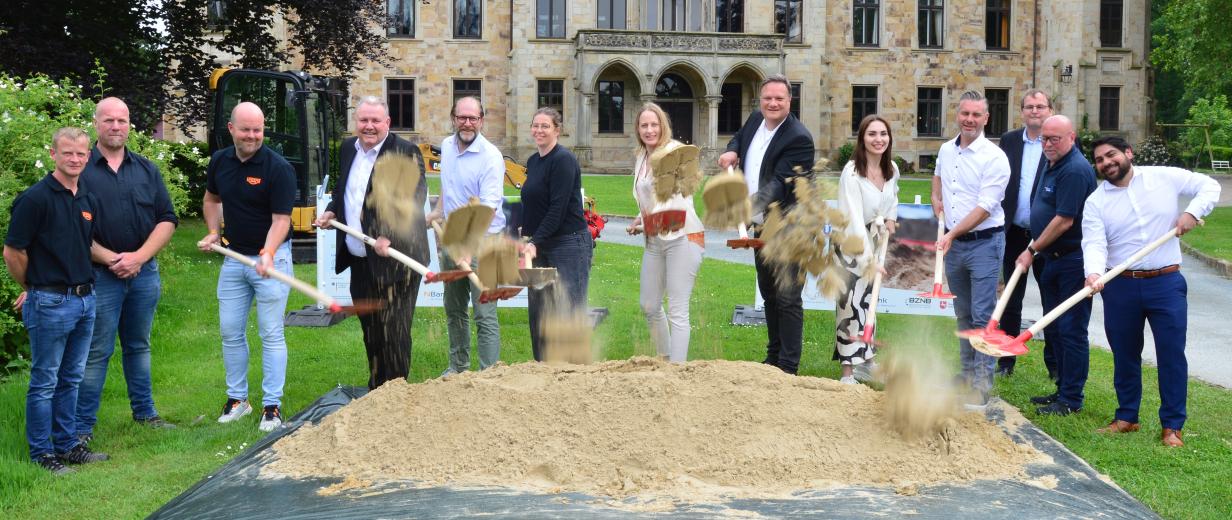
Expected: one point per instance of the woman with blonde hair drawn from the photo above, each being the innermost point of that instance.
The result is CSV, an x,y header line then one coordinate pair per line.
x,y
672,258
868,192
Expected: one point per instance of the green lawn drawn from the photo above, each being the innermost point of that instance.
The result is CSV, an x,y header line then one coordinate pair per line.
x,y
148,467
613,194
1215,238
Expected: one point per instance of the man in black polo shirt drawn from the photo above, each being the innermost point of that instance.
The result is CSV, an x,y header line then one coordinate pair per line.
x,y
252,188
1056,217
47,251
134,220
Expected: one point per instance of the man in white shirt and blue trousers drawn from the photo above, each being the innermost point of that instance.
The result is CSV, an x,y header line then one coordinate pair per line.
x,y
968,185
1133,207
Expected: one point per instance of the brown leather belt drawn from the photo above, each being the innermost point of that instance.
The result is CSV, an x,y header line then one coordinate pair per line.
x,y
1152,273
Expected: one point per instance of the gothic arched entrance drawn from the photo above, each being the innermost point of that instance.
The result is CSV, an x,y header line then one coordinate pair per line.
x,y
675,95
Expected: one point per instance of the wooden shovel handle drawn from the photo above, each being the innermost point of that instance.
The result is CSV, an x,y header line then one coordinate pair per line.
x,y
295,283
393,253
940,254
1004,300
882,245
465,266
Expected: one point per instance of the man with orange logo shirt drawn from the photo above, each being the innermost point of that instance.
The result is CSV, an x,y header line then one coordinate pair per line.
x,y
252,188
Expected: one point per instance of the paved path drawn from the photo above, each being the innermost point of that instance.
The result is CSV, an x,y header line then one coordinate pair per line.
x,y
1208,345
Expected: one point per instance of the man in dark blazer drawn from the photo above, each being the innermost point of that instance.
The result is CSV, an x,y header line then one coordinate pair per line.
x,y
375,276
1036,107
769,147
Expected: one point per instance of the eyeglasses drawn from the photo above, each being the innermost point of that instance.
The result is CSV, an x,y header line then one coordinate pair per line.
x,y
541,127
468,119
1030,108
1052,139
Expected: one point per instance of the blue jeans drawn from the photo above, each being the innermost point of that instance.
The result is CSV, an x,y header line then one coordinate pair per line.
x,y
1128,304
571,256
973,269
60,327
238,284
1060,279
125,306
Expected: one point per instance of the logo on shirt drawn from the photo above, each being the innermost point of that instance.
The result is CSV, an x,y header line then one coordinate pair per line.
x,y
87,215
254,180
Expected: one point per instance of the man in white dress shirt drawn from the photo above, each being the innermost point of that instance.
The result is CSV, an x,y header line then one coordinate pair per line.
x,y
1133,207
968,185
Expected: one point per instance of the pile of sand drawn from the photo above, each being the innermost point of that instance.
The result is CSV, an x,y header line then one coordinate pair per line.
x,y
696,431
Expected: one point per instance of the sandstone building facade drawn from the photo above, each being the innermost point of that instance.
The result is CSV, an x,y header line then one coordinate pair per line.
x,y
908,60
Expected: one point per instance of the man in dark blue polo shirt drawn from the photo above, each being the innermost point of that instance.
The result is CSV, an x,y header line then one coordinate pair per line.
x,y
47,251
1056,217
134,220
252,188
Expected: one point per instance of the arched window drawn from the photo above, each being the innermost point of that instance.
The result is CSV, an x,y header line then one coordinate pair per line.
x,y
672,86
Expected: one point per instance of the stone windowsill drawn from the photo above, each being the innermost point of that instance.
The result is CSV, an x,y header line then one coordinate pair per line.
x,y
551,40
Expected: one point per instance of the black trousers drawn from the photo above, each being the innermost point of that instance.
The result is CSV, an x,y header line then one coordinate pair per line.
x,y
1016,240
387,331
784,317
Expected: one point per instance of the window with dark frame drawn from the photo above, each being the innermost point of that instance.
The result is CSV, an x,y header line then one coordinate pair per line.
x,y
400,96
865,23
997,25
551,93
730,116
863,104
928,112
216,19
467,87
401,18
1110,108
787,16
467,19
729,16
676,15
998,112
611,107
795,100
550,18
1111,18
931,24
611,14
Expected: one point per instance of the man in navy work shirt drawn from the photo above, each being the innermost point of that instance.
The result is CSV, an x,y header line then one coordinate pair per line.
x,y
47,251
134,220
252,188
1056,227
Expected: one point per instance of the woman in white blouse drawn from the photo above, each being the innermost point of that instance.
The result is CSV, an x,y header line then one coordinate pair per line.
x,y
671,260
868,189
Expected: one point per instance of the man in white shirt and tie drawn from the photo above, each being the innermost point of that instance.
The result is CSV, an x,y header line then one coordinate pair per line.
x,y
968,185
1132,207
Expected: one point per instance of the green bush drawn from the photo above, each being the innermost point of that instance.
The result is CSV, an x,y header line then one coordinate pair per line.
x,y
844,155
1153,151
1217,115
905,167
31,109
1221,153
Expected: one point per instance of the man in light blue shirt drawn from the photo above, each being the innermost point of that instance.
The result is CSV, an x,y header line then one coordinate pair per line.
x,y
470,167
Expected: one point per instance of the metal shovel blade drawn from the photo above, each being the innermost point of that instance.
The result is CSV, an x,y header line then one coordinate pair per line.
x,y
537,277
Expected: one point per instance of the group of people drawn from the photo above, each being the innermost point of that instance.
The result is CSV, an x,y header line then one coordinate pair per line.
x,y
82,243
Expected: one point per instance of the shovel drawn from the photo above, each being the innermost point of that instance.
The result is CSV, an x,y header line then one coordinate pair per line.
x,y
1004,345
485,295
744,242
727,200
664,222
464,228
536,277
937,292
301,286
871,325
992,330
429,276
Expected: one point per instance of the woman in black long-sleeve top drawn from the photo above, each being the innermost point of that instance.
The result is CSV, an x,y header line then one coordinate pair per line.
x,y
552,219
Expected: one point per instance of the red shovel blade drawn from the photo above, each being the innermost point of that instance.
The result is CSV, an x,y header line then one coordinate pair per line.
x,y
445,276
499,293
998,345
358,307
936,293
664,221
746,243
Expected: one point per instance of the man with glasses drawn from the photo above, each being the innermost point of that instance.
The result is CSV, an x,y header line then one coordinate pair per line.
x,y
470,167
1025,150
1056,227
387,332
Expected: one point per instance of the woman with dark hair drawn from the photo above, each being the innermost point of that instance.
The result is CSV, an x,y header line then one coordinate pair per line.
x,y
670,260
868,192
553,222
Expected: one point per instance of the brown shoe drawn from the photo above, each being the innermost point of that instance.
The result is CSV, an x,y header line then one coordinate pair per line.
x,y
1171,438
1119,426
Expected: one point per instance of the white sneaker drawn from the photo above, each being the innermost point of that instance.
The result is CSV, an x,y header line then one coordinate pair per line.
x,y
848,380
866,372
234,409
977,401
271,418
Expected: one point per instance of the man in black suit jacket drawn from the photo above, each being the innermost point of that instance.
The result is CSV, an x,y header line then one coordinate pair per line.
x,y
387,332
769,147
1036,107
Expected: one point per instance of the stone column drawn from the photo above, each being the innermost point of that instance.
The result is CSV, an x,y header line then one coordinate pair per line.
x,y
582,146
712,148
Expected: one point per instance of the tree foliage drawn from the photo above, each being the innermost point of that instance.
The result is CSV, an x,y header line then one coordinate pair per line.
x,y
1194,43
332,37
1217,115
